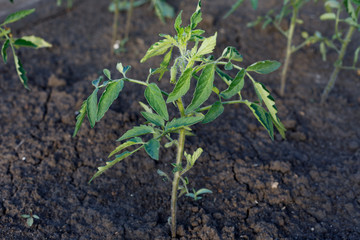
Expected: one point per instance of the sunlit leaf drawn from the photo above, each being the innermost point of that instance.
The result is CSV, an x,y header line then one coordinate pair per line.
x,y
126,144
207,46
153,118
111,93
264,67
137,131
158,48
182,86
182,122
80,117
17,16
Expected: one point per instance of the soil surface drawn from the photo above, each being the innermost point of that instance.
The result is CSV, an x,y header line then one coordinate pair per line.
x,y
304,187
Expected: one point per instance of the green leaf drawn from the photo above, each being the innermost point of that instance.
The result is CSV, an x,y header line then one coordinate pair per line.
x,y
125,5
260,114
254,4
203,191
36,41
332,4
207,46
158,48
178,21
203,88
36,216
152,148
196,16
137,131
23,43
235,86
126,144
356,56
164,65
17,16
30,221
111,93
25,216
20,71
177,123
122,69
107,73
215,111
91,105
270,104
232,54
109,164
264,67
154,97
163,10
350,9
80,117
153,118
196,156
225,77
3,50
182,86
328,16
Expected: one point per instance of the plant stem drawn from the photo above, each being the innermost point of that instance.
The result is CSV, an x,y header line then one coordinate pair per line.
x,y
288,49
115,24
128,20
175,183
338,65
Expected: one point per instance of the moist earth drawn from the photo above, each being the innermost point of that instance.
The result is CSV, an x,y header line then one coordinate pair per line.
x,y
304,187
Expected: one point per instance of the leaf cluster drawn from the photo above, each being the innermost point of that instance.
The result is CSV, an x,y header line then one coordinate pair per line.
x,y
194,64
8,41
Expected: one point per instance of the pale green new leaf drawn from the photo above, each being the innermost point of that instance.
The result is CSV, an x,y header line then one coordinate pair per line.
x,y
207,46
137,131
154,97
264,67
182,122
17,16
158,48
152,148
328,16
91,105
203,88
30,221
126,144
109,164
203,191
182,86
178,21
153,118
37,41
80,117
107,73
232,53
196,156
3,50
356,56
235,86
111,93
196,16
215,111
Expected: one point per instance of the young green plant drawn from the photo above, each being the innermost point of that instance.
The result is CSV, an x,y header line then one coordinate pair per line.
x,y
290,8
339,41
189,64
7,40
163,10
30,218
254,4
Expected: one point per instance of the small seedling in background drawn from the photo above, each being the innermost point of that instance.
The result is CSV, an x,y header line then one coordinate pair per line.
x,y
254,4
162,9
69,3
189,65
30,218
334,9
7,40
290,8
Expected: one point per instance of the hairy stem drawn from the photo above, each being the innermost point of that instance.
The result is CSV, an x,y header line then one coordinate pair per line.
x,y
175,183
288,49
338,65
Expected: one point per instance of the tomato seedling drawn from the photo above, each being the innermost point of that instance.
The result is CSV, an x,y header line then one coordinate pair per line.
x,y
30,218
333,12
194,64
7,40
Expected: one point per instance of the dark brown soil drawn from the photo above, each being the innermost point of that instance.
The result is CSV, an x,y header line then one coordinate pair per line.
x,y
305,187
